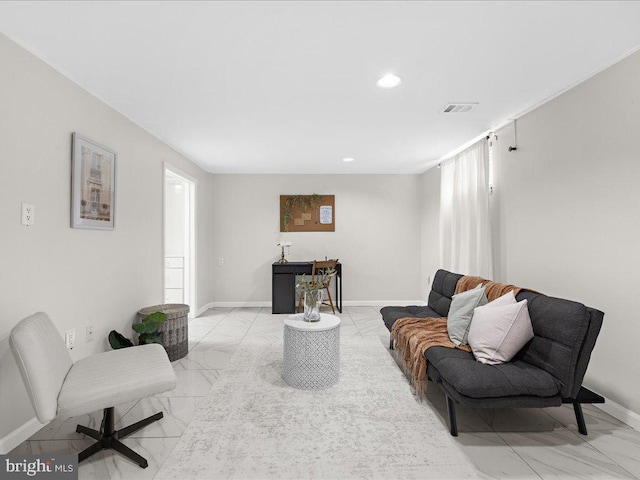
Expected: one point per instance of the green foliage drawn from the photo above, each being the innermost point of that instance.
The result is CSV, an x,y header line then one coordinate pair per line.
x,y
146,338
155,317
150,323
144,327
117,340
312,287
305,202
148,330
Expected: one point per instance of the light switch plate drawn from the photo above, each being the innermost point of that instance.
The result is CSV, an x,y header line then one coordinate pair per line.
x,y
70,338
89,333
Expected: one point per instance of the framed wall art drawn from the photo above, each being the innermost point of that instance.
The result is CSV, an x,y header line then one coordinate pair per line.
x,y
93,185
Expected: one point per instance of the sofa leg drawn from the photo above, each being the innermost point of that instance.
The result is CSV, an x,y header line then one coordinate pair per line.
x,y
584,396
582,426
451,411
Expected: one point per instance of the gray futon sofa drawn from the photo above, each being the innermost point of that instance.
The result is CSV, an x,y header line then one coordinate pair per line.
x,y
546,372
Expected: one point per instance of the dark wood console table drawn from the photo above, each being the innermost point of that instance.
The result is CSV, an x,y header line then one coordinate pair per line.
x,y
283,285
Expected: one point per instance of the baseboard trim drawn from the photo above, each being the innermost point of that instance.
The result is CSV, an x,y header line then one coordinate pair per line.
x,y
19,435
204,308
239,304
382,303
349,303
621,413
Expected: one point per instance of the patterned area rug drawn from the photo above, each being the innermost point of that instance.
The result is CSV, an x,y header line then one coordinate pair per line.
x,y
369,425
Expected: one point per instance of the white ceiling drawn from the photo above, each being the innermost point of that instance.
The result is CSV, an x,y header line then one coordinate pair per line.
x,y
289,87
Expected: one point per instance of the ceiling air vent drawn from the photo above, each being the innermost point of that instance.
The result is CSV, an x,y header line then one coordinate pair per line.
x,y
458,107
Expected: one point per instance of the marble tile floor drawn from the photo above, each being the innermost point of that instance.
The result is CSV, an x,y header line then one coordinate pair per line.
x,y
500,443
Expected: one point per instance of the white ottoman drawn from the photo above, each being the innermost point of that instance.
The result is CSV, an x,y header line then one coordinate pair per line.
x,y
311,352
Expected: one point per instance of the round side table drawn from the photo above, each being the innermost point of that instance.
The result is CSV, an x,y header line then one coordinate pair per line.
x,y
311,352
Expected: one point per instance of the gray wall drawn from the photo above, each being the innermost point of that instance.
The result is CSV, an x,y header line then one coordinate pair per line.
x,y
377,234
430,228
567,211
79,277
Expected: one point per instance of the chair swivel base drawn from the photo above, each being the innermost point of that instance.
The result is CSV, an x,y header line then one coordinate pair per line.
x,y
108,437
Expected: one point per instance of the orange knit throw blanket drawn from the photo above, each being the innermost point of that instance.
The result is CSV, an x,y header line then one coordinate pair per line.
x,y
493,290
414,336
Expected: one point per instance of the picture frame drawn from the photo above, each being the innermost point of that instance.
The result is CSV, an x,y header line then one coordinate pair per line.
x,y
93,184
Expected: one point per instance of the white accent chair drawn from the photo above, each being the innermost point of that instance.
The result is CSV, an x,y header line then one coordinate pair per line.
x,y
60,388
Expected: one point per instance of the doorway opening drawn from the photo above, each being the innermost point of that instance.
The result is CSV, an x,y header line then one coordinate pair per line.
x,y
179,238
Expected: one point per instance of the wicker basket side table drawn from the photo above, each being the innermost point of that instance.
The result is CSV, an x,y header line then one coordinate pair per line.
x,y
175,333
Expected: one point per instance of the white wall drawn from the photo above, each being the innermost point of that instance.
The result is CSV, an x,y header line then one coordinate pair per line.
x,y
568,214
79,277
377,235
430,228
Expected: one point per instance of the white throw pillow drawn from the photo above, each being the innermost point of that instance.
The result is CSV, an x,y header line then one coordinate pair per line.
x,y
507,299
497,333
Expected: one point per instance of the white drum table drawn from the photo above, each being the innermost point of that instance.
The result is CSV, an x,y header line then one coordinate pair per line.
x,y
311,352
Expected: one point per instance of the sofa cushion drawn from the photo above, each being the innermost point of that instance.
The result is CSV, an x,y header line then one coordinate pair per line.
x,y
516,401
442,289
391,314
461,311
478,380
560,328
499,332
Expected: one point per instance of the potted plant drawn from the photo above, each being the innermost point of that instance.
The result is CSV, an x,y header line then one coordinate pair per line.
x,y
313,291
147,330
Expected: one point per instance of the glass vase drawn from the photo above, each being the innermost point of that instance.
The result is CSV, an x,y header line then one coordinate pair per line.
x,y
312,302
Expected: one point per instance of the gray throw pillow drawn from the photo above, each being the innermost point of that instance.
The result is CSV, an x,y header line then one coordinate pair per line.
x,y
461,313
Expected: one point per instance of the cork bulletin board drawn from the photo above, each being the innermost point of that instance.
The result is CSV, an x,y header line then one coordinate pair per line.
x,y
307,213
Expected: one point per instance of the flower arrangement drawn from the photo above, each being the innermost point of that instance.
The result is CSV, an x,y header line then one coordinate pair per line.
x,y
313,293
322,279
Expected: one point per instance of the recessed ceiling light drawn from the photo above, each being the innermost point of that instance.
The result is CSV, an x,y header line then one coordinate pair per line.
x,y
390,80
348,159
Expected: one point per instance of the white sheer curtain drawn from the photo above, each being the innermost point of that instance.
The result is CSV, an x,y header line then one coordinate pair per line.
x,y
465,226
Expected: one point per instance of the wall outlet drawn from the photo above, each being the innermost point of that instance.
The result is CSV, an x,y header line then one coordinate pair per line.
x,y
220,261
70,338
89,333
28,214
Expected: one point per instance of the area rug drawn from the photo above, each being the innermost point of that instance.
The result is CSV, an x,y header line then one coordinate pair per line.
x,y
369,425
